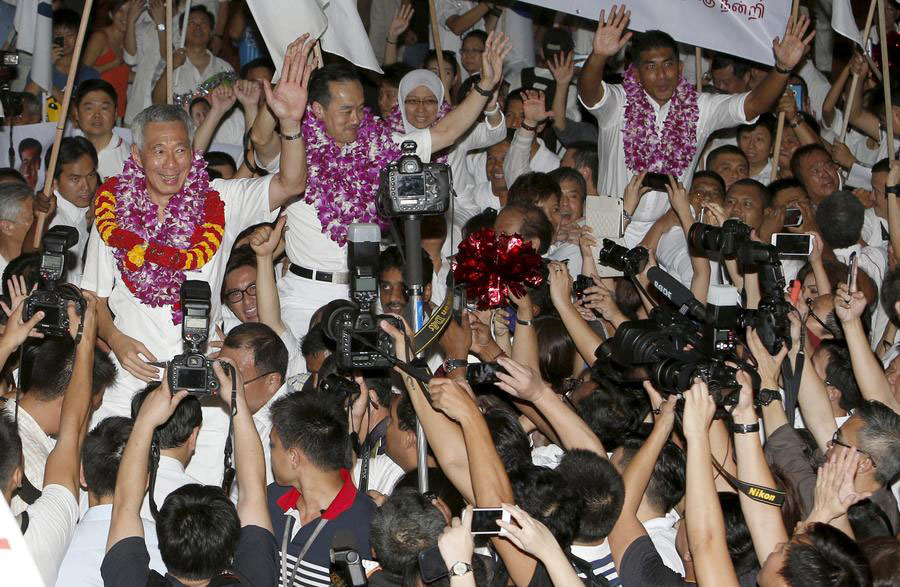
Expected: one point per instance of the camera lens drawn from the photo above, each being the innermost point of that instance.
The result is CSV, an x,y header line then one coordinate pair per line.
x,y
705,237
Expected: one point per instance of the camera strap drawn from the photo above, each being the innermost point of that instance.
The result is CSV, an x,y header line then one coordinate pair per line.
x,y
154,467
230,472
27,492
760,493
791,379
437,323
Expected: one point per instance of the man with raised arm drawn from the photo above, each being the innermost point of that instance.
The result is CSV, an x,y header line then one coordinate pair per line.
x,y
656,121
162,221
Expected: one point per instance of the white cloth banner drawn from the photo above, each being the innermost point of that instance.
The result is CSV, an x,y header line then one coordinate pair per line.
x,y
335,22
843,22
34,25
742,28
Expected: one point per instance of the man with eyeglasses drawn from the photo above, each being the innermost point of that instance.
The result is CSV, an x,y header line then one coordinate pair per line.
x,y
262,359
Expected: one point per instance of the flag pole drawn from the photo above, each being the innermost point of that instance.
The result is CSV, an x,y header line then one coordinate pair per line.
x,y
886,80
41,219
698,64
854,82
779,130
170,83
184,24
437,46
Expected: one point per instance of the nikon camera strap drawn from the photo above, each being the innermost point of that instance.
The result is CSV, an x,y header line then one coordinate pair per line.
x,y
766,495
432,330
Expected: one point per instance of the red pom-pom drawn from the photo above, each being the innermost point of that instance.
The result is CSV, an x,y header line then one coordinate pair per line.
x,y
494,266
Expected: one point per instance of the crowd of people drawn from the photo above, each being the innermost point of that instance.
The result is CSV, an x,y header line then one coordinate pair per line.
x,y
780,466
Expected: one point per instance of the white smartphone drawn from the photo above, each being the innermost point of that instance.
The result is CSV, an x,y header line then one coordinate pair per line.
x,y
793,245
793,217
484,520
605,217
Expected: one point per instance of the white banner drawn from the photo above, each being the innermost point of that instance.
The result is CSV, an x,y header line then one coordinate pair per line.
x,y
742,28
843,22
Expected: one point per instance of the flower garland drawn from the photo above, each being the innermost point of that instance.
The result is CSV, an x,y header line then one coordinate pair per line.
x,y
394,121
152,256
671,151
343,183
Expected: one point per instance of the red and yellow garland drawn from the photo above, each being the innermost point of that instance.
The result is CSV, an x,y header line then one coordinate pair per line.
x,y
205,240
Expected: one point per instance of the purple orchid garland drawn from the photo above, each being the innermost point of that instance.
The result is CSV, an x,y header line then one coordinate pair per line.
x,y
670,151
154,285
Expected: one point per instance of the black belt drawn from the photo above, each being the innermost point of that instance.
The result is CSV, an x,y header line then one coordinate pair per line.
x,y
326,276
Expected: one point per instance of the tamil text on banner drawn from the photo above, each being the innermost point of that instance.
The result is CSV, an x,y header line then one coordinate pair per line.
x,y
335,23
745,29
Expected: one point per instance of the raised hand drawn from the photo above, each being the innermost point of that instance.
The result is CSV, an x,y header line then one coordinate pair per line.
x,y
848,305
533,102
18,291
496,48
634,191
17,330
247,92
225,383
159,405
520,381
288,100
610,36
222,98
842,155
455,542
699,409
135,8
678,196
529,534
560,283
129,353
789,50
265,239
563,68
157,10
835,488
452,398
768,366
400,23
787,104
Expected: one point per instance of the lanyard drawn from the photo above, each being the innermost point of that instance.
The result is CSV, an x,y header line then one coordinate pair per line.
x,y
286,540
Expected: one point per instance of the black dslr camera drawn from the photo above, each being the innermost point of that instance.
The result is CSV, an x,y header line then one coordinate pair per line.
x,y
361,344
410,187
192,371
628,261
53,297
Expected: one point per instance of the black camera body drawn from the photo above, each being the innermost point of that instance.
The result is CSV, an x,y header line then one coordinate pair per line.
x,y
725,239
192,371
483,373
53,297
628,261
582,282
358,335
409,187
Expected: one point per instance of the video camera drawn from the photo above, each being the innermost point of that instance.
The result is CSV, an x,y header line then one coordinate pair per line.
x,y
192,371
355,329
53,297
409,187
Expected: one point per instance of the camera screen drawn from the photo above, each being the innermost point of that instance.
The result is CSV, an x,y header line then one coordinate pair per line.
x,y
484,521
52,263
195,322
191,378
792,244
51,314
411,185
357,346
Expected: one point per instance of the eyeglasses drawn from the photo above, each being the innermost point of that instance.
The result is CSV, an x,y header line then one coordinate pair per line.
x,y
249,381
236,295
416,102
827,328
836,440
472,50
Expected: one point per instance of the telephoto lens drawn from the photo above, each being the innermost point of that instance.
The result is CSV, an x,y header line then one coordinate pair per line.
x,y
628,261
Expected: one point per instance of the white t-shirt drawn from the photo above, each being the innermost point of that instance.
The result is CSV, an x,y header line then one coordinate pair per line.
x,y
36,448
246,203
51,524
111,159
308,245
170,475
81,565
716,112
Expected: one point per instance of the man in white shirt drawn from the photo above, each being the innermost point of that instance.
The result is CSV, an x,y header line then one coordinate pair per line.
x,y
101,454
659,91
195,64
147,325
46,372
75,181
49,522
95,113
176,440
840,220
316,237
261,357
16,217
527,152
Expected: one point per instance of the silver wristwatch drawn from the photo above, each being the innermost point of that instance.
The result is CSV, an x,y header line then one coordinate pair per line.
x,y
460,568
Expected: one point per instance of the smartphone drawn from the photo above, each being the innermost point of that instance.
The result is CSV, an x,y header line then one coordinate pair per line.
x,y
793,217
431,565
59,41
656,181
798,95
484,520
702,218
481,373
850,263
459,303
792,245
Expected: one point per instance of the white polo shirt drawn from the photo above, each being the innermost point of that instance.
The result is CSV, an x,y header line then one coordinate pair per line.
x,y
81,565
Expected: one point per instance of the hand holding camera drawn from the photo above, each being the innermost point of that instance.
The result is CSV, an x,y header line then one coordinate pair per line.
x,y
455,542
159,405
452,398
520,382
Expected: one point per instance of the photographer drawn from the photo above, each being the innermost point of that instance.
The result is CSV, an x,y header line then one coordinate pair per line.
x,y
236,541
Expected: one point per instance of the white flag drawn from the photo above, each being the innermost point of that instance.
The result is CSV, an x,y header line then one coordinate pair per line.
x,y
34,28
843,22
336,23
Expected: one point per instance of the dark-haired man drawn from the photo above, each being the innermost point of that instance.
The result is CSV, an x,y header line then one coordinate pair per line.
x,y
730,163
317,235
100,458
657,70
95,114
313,497
177,440
730,75
813,167
840,217
75,181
